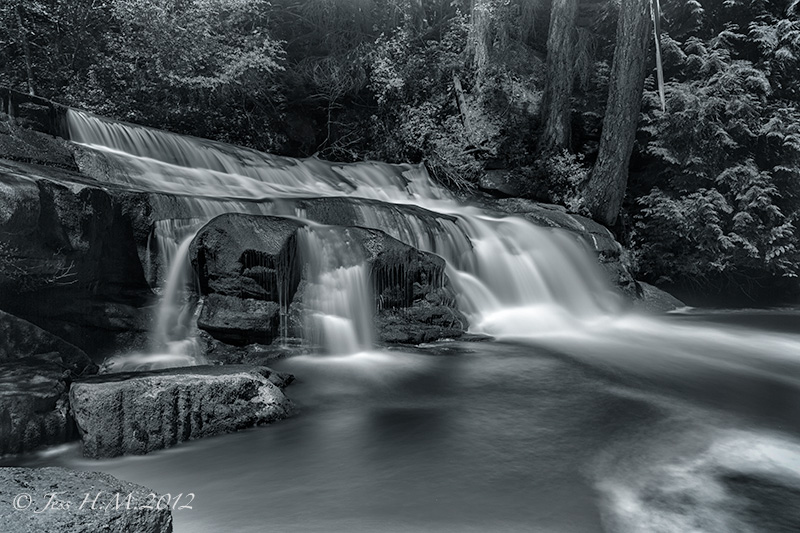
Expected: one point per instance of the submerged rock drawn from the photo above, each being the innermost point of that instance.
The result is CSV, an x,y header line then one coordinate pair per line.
x,y
137,413
36,369
57,500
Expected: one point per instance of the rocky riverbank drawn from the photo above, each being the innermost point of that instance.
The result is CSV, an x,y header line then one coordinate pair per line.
x,y
58,500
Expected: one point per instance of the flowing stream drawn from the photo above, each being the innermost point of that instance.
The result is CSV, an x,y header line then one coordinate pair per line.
x,y
579,417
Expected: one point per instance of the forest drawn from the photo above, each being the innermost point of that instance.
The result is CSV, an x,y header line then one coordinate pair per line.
x,y
674,123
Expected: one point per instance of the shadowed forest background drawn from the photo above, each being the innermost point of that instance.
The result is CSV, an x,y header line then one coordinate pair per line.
x,y
510,97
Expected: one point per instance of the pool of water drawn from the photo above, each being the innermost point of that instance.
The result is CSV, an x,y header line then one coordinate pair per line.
x,y
604,434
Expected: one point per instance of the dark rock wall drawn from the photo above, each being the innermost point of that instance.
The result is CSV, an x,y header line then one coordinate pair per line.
x,y
36,369
71,262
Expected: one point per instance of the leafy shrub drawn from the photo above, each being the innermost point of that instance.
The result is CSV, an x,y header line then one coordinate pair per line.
x,y
719,203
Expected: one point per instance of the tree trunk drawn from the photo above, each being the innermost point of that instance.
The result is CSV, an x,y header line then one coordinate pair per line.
x,y
463,110
556,107
606,187
26,50
477,39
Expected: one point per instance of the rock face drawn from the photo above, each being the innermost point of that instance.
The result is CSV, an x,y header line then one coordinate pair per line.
x,y
36,369
414,299
240,321
69,259
19,339
254,273
29,146
51,500
136,413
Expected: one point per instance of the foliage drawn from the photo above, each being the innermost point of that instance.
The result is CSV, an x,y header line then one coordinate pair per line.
x,y
178,61
714,186
721,195
557,178
436,103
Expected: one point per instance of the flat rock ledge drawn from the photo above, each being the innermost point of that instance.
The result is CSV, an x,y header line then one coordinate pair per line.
x,y
58,500
139,412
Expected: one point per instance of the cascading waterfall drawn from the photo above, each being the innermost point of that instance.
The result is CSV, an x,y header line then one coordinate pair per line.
x,y
696,429
174,316
338,299
502,268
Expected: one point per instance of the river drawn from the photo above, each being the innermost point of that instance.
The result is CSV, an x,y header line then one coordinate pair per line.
x,y
579,416
509,436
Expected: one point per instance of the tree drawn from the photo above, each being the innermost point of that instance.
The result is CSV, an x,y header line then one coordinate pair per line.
x,y
560,75
717,201
605,189
49,46
203,67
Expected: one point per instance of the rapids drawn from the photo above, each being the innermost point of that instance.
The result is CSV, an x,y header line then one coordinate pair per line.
x,y
578,418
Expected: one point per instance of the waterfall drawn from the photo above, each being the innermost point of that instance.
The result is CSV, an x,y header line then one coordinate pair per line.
x,y
509,273
338,299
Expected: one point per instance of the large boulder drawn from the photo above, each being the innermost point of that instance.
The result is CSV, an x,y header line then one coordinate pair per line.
x,y
254,272
21,340
248,256
414,299
36,369
139,412
57,500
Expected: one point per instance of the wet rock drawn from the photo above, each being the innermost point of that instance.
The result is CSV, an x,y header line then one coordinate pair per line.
x,y
35,371
18,141
655,300
58,500
247,256
34,112
240,321
252,269
34,410
69,260
136,413
251,354
21,340
414,299
421,323
344,211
